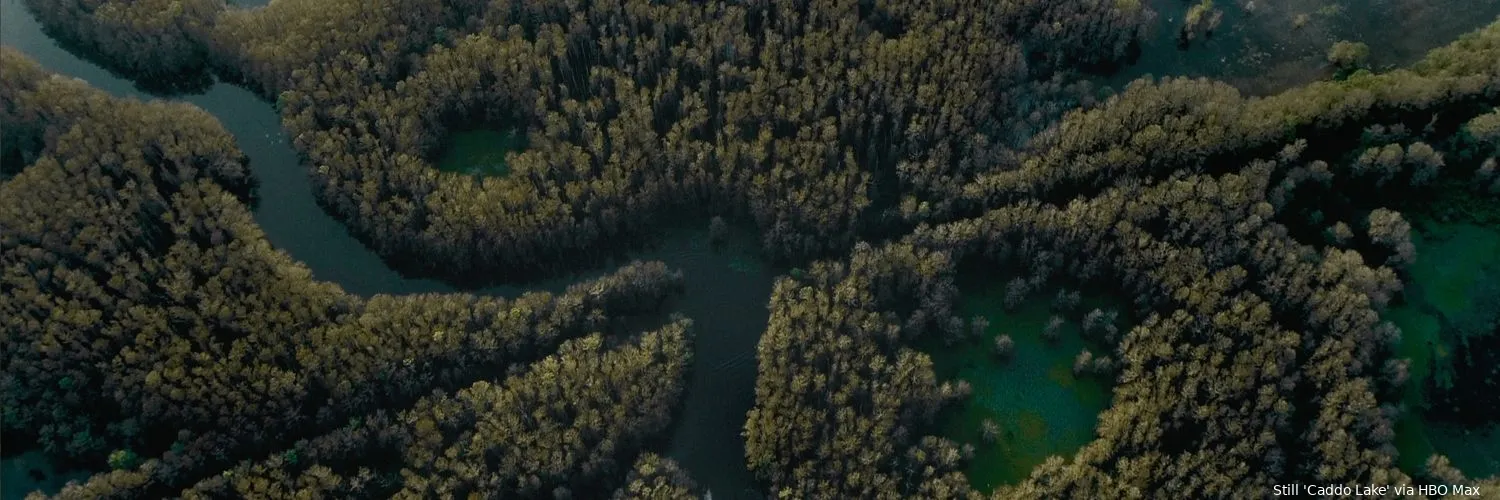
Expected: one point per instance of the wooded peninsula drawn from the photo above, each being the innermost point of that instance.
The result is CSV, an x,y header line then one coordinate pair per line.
x,y
1251,278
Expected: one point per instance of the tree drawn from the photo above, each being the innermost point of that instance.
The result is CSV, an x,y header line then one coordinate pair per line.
x,y
1428,163
151,318
978,325
989,431
1487,175
1201,20
555,427
657,478
1066,301
1015,293
1389,229
1052,333
1340,233
1083,364
1004,347
717,230
158,43
1485,129
1347,56
1254,361
1440,471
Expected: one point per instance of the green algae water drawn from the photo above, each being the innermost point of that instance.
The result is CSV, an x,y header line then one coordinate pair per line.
x,y
1040,407
1458,264
480,152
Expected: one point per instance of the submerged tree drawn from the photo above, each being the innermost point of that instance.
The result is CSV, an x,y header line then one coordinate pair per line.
x,y
1346,56
1005,347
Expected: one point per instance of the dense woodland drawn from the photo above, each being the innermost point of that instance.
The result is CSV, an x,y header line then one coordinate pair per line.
x,y
1261,360
159,43
149,325
632,109
556,429
657,478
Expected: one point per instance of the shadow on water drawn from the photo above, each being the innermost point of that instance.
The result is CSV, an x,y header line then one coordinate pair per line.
x,y
727,285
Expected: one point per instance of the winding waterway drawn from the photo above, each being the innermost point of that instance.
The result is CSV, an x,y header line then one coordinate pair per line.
x,y
726,288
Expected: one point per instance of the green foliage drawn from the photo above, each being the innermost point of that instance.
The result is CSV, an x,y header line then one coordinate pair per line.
x,y
882,394
1348,56
1004,346
703,112
1200,21
1151,130
123,459
657,478
1254,362
157,42
1479,140
1485,128
559,423
145,311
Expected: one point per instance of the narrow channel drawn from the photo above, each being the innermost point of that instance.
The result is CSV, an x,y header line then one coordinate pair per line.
x,y
726,294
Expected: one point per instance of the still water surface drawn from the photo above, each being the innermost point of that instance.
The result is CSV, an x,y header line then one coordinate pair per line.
x,y
726,288
1257,49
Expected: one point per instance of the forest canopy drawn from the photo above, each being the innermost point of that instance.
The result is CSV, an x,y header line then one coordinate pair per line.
x,y
635,110
1261,359
879,146
149,324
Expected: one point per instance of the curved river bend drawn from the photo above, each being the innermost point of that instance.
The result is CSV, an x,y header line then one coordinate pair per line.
x,y
727,289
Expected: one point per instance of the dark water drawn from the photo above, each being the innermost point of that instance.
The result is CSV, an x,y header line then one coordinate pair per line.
x,y
1256,49
1266,46
480,152
726,294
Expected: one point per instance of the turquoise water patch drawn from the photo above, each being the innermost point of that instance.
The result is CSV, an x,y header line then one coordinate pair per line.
x,y
1456,266
1421,343
1039,407
31,471
1476,452
1451,258
480,152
